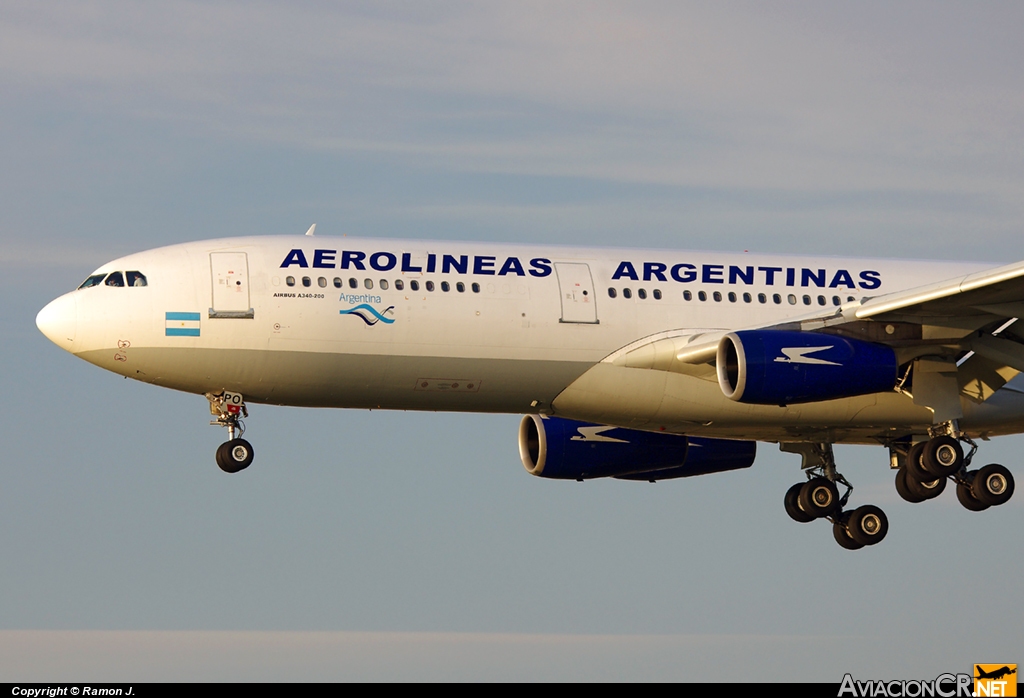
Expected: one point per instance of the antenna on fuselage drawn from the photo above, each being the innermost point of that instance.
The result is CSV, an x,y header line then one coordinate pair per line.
x,y
312,230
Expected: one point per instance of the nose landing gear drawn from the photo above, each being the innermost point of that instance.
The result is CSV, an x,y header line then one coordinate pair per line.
x,y
235,454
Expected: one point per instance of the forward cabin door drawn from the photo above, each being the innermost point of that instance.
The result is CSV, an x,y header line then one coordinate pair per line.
x,y
230,276
579,302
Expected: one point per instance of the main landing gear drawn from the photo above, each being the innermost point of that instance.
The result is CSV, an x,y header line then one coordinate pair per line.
x,y
819,498
236,453
929,464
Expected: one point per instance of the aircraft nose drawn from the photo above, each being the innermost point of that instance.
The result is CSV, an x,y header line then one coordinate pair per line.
x,y
59,321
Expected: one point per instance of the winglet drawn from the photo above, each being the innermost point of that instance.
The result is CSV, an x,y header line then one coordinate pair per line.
x,y
312,230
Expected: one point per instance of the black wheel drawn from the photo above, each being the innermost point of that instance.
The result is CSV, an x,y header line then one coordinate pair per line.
x,y
943,456
992,485
235,455
819,497
915,462
867,525
966,496
842,536
930,488
903,489
792,501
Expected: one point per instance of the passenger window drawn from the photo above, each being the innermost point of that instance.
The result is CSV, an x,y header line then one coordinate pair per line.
x,y
399,284
657,294
687,296
445,287
777,299
306,281
460,287
702,295
321,282
383,284
290,280
353,283
747,298
414,285
337,282
761,298
368,283
792,299
836,301
821,300
93,280
430,286
850,299
641,294
718,296
476,287
732,297
611,292
807,300
136,279
626,293
115,279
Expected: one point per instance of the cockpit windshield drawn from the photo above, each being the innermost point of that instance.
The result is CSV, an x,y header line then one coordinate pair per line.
x,y
93,280
135,279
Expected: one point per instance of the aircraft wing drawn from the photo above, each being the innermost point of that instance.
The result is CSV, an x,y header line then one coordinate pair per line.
x,y
998,292
961,328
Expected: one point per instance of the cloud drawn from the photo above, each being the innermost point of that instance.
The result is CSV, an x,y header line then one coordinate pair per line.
x,y
726,94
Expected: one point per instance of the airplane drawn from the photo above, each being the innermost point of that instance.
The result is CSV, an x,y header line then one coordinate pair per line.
x,y
632,364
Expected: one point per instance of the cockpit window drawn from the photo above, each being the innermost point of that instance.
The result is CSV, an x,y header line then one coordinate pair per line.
x,y
93,280
115,279
136,279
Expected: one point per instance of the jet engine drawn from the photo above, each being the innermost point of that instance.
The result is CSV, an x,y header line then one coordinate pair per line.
x,y
774,367
565,449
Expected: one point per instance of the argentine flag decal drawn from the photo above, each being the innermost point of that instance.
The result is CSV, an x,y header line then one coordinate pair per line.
x,y
182,325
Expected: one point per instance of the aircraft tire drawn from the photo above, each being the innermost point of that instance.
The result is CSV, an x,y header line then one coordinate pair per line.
x,y
819,497
966,497
903,488
942,456
915,464
929,488
992,485
867,525
792,501
234,456
842,536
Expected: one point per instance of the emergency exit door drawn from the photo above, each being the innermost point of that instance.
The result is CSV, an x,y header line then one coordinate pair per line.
x,y
576,286
229,272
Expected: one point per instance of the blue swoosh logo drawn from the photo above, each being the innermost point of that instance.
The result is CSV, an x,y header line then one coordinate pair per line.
x,y
378,317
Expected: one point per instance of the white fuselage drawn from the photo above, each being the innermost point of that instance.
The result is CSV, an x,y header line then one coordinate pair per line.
x,y
393,324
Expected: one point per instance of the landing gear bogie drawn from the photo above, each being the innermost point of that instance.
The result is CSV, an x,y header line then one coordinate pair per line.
x,y
842,535
992,485
904,489
867,525
942,456
966,497
792,502
819,497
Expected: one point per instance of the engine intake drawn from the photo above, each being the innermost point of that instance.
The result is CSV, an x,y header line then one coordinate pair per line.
x,y
773,367
565,449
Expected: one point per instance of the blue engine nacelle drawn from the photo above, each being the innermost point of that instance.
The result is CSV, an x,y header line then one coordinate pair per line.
x,y
774,367
565,449
705,456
